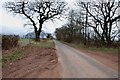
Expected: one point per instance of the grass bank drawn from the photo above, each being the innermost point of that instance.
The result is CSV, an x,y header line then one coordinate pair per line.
x,y
20,53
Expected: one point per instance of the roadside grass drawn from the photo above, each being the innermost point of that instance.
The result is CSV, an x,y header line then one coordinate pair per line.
x,y
44,44
23,41
100,49
104,49
12,57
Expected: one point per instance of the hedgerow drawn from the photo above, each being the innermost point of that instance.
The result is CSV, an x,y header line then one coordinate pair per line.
x,y
9,41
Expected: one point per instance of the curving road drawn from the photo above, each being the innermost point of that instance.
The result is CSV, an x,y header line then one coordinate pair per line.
x,y
76,64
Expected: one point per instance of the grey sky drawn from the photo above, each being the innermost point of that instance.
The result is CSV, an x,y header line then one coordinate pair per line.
x,y
11,24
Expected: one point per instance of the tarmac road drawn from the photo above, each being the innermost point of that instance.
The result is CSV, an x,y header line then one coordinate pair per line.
x,y
76,64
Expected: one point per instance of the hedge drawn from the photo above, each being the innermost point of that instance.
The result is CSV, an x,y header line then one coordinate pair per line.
x,y
9,41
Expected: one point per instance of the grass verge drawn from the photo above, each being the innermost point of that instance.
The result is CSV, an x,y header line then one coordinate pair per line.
x,y
100,49
13,57
104,49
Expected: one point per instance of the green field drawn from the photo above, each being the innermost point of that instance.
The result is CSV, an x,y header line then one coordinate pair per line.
x,y
24,41
44,44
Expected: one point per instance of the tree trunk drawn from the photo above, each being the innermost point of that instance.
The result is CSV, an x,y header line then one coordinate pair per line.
x,y
37,36
37,32
86,22
109,41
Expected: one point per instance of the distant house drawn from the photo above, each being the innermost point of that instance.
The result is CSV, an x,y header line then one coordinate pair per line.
x,y
32,35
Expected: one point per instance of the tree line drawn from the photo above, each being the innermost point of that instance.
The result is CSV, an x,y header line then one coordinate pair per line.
x,y
93,23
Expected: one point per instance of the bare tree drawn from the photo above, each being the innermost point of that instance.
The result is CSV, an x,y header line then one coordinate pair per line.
x,y
71,31
37,12
104,14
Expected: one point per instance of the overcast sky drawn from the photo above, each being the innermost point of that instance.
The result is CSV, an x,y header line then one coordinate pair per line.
x,y
10,24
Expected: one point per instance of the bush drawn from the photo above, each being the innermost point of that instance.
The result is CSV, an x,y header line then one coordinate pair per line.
x,y
9,41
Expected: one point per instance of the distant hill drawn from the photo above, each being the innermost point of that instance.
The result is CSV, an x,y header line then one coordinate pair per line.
x,y
32,35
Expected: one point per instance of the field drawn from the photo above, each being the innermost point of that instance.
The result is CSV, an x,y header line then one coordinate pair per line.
x,y
24,41
44,44
41,44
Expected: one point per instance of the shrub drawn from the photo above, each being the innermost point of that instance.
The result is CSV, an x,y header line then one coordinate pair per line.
x,y
9,41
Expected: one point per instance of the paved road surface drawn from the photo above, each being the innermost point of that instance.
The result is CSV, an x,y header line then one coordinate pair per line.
x,y
76,64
